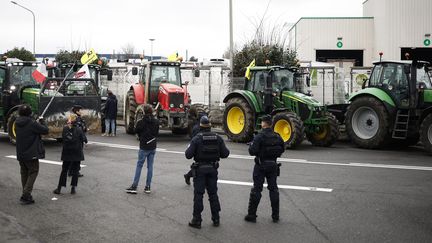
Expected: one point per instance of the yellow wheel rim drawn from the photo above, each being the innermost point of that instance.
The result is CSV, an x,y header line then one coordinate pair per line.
x,y
14,129
235,120
322,133
284,129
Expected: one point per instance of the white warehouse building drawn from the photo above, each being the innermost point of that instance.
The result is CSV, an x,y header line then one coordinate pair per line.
x,y
393,27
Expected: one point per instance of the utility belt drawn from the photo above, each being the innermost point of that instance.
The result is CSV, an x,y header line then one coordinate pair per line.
x,y
266,163
195,165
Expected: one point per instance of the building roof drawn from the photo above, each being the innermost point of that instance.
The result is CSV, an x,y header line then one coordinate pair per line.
x,y
342,18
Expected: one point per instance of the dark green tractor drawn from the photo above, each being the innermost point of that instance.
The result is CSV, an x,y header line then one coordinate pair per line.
x,y
394,107
17,86
272,90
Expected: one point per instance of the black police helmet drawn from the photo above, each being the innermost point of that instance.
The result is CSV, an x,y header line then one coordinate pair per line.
x,y
204,121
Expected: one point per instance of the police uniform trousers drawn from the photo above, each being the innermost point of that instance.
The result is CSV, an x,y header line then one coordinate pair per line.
x,y
206,178
266,171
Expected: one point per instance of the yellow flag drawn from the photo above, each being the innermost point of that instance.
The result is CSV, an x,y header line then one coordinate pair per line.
x,y
248,73
173,57
89,57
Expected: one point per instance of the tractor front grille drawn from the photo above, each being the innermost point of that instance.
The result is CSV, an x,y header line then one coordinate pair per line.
x,y
176,100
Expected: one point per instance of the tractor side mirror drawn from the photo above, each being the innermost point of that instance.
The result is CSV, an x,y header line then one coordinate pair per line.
x,y
57,72
109,75
364,83
75,68
196,73
134,71
50,73
308,83
422,86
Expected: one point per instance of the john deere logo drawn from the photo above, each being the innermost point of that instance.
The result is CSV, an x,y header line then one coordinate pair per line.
x,y
427,42
339,44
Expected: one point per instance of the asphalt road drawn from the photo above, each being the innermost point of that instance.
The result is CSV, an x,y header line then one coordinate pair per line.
x,y
338,194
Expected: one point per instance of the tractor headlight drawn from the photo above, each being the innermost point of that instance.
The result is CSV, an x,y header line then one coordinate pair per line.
x,y
12,88
172,105
390,87
181,105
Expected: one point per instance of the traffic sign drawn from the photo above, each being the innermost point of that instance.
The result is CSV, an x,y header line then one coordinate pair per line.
x,y
427,42
339,44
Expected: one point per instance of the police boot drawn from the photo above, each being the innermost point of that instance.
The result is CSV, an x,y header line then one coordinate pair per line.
x,y
195,223
275,212
252,208
187,179
215,219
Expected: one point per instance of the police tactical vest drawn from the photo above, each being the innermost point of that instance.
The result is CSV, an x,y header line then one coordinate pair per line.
x,y
208,148
271,146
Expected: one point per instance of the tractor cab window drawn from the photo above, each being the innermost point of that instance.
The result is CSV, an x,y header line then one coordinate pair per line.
x,y
165,74
283,80
69,88
2,77
375,77
258,81
423,76
22,75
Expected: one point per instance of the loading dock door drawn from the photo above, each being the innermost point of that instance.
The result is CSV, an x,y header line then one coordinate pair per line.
x,y
421,53
325,55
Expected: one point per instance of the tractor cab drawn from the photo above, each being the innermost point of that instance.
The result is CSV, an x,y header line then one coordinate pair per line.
x,y
401,80
15,75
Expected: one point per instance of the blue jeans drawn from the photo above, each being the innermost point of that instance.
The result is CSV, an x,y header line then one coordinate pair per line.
x,y
142,155
110,123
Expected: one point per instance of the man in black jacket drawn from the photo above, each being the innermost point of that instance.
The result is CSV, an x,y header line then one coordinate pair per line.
x,y
147,129
267,146
110,112
29,149
206,148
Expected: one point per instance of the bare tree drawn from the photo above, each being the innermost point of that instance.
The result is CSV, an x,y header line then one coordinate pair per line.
x,y
128,50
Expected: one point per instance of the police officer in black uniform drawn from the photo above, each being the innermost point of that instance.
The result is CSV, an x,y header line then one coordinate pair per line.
x,y
267,146
207,148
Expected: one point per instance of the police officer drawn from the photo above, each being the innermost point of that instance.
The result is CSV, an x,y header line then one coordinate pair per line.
x,y
267,146
206,148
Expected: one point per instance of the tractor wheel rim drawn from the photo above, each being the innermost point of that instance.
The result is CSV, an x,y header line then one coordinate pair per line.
x,y
235,120
14,129
365,123
430,134
284,129
322,133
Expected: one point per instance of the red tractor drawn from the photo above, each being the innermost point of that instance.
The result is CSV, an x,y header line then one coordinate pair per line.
x,y
160,86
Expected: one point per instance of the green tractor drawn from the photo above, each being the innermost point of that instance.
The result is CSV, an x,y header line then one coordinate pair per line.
x,y
17,86
394,108
272,90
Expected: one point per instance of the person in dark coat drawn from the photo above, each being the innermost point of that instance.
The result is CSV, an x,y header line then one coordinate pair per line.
x,y
195,130
72,153
206,148
110,112
29,149
266,146
76,109
147,129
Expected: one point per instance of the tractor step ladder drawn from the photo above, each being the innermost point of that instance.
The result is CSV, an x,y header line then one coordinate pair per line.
x,y
400,129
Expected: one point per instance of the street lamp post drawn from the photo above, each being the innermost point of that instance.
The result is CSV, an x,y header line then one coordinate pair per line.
x,y
231,40
34,25
151,41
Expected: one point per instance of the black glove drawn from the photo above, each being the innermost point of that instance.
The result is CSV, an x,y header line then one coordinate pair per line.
x,y
41,120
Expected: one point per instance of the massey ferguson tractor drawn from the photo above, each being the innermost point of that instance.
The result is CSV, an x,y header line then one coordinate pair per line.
x,y
160,86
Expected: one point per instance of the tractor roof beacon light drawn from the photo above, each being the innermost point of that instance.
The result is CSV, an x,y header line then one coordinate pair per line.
x,y
380,54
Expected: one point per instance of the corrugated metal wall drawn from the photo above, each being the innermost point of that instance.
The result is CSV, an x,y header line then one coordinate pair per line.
x,y
311,34
399,23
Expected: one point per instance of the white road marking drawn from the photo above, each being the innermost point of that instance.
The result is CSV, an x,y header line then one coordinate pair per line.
x,y
286,160
44,161
301,188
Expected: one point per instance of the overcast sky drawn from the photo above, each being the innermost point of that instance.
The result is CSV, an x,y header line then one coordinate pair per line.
x,y
200,26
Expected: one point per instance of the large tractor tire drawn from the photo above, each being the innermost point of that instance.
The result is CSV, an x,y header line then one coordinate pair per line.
x,y
239,120
11,127
426,133
327,134
198,108
131,107
290,127
367,123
